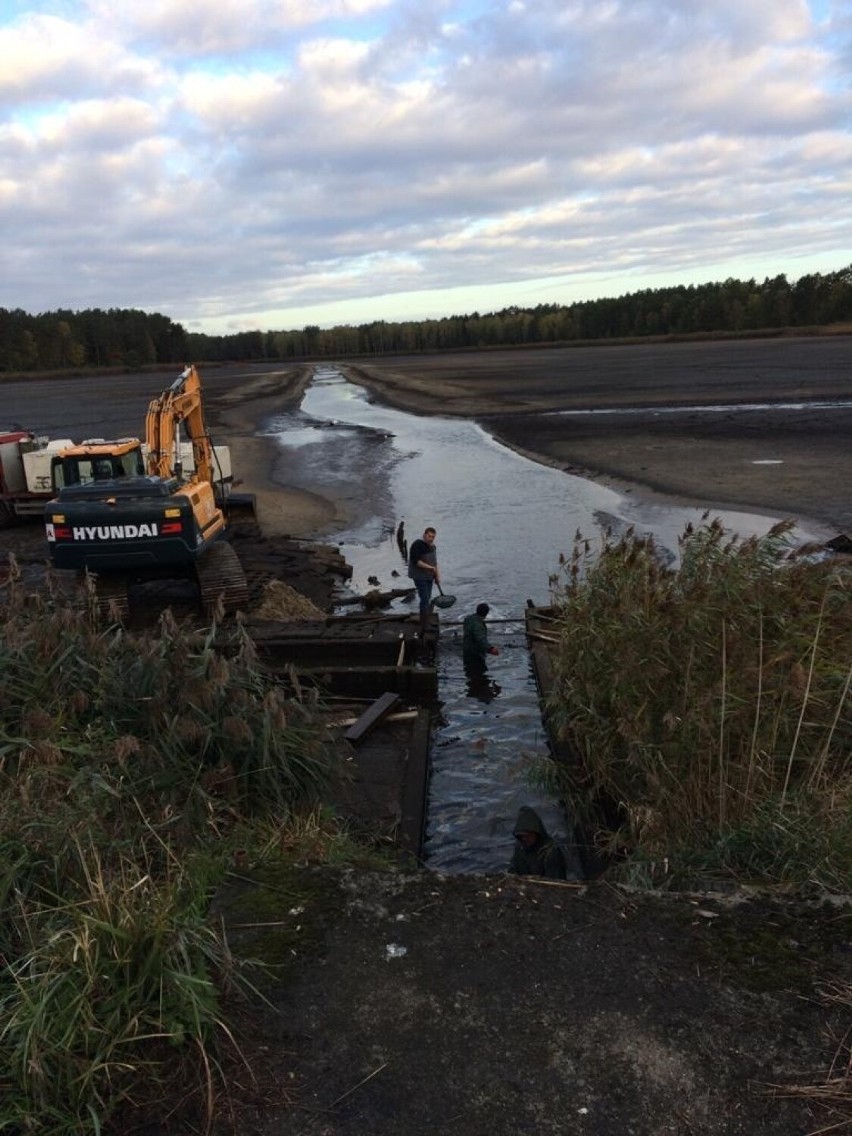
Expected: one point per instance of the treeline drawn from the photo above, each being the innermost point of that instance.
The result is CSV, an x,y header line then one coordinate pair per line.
x,y
731,307
66,340
133,339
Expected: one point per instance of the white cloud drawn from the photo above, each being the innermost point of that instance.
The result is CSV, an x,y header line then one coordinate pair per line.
x,y
46,58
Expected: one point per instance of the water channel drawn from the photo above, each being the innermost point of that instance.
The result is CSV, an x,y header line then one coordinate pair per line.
x,y
502,523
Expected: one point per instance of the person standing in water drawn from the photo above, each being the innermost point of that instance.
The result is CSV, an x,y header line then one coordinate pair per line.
x,y
475,645
423,570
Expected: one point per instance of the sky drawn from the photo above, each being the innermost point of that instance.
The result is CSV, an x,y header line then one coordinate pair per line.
x,y
243,164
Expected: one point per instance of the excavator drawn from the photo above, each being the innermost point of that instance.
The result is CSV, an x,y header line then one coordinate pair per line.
x,y
127,512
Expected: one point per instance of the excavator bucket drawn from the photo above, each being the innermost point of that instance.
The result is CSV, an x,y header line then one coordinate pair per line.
x,y
240,507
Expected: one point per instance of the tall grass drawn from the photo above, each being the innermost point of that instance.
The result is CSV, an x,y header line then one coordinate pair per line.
x,y
709,704
111,988
128,766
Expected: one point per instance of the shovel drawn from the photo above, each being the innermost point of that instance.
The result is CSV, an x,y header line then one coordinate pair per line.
x,y
441,601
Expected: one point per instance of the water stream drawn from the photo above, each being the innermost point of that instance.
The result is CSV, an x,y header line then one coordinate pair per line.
x,y
502,523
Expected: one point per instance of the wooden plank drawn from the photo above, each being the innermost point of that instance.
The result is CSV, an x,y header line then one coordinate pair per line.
x,y
540,635
402,716
372,716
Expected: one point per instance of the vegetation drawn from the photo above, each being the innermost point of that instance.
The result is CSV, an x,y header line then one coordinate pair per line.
x,y
67,341
131,772
133,339
708,707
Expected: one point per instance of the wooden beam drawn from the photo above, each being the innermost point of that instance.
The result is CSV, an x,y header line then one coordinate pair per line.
x,y
372,716
542,637
402,716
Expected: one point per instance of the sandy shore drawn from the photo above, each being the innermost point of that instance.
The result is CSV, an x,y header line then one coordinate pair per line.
x,y
283,510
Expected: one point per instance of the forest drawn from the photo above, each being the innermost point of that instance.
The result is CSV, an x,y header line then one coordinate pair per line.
x,y
129,339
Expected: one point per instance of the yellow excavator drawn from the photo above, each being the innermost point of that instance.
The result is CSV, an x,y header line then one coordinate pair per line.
x,y
126,513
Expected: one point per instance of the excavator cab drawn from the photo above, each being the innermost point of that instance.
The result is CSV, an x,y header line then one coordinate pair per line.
x,y
97,460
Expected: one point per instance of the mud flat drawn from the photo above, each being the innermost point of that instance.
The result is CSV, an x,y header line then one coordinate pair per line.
x,y
754,455
774,447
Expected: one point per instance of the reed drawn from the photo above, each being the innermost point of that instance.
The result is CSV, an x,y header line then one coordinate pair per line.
x,y
130,769
115,984
708,704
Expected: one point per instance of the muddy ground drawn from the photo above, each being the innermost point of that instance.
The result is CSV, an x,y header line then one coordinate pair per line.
x,y
428,1005
484,1006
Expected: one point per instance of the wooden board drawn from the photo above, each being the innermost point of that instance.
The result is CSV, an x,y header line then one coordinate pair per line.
x,y
372,716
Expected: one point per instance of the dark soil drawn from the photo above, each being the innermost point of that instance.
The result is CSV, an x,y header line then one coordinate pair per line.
x,y
482,1006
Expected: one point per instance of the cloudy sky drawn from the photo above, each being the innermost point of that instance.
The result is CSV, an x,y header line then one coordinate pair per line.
x,y
239,164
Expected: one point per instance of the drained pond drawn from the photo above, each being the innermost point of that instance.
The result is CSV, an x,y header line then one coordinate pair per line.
x,y
502,523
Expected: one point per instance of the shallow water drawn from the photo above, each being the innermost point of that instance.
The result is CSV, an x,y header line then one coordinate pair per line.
x,y
503,521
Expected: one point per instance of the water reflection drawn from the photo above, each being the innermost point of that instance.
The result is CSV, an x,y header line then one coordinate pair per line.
x,y
502,522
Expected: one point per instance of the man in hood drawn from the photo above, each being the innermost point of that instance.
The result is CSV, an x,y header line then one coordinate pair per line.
x,y
537,853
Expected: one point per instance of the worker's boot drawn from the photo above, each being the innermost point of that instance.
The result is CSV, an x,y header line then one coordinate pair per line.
x,y
425,620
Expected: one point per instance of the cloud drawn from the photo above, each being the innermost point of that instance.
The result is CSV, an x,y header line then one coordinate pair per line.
x,y
195,29
258,157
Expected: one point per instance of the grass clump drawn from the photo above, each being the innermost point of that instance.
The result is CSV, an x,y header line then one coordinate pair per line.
x,y
708,707
130,771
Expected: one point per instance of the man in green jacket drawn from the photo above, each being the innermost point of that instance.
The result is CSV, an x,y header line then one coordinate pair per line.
x,y
475,645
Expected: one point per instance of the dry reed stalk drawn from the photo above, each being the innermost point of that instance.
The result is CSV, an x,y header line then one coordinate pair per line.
x,y
805,697
722,726
819,765
758,702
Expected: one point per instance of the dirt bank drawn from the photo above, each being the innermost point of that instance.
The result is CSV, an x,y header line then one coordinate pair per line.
x,y
236,401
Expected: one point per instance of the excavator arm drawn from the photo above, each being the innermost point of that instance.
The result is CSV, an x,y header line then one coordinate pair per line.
x,y
179,405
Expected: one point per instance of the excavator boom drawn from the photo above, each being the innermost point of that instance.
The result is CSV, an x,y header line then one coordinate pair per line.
x,y
179,405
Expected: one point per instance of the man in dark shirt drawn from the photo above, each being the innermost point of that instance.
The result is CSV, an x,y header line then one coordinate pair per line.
x,y
423,570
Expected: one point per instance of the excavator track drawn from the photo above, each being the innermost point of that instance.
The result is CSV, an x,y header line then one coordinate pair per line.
x,y
221,576
112,598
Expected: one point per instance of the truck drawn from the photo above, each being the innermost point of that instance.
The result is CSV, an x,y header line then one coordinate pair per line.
x,y
34,467
26,472
125,512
